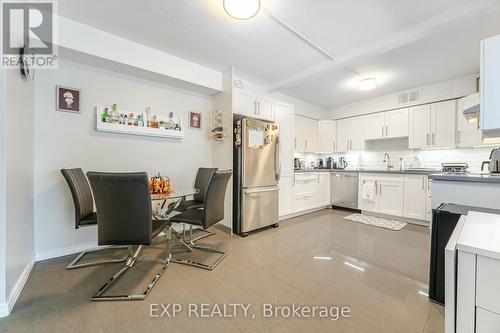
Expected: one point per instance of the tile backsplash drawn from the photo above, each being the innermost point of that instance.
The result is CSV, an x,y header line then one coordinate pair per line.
x,y
373,156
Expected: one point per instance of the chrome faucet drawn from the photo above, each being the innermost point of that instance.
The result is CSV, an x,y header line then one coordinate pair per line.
x,y
387,160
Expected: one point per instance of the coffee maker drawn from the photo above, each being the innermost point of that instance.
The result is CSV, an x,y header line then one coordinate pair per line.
x,y
330,163
321,163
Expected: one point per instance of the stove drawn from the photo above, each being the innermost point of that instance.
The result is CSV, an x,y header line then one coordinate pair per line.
x,y
455,168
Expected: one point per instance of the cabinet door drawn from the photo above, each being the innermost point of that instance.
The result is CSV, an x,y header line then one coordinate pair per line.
x,y
396,123
419,126
443,124
286,196
490,80
391,200
300,128
343,135
468,133
245,103
357,131
415,197
265,108
371,205
311,135
375,126
326,136
284,118
323,194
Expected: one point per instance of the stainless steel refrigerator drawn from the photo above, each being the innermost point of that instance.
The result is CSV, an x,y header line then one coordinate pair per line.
x,y
256,175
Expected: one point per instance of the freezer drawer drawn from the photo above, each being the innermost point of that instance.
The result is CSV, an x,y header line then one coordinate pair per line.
x,y
259,208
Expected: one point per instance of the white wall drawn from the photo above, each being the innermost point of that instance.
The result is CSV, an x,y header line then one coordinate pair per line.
x,y
431,93
65,140
19,180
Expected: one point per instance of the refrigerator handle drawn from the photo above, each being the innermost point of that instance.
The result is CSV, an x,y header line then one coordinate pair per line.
x,y
277,164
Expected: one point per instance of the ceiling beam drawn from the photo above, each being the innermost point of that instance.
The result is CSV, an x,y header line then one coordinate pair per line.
x,y
391,42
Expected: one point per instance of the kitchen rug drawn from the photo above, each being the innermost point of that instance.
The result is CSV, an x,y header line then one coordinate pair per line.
x,y
376,221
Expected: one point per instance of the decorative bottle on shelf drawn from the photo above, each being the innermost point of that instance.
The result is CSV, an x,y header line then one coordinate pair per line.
x,y
105,116
170,123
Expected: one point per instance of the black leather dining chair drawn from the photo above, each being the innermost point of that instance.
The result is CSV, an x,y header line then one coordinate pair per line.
x,y
84,213
203,177
212,213
125,215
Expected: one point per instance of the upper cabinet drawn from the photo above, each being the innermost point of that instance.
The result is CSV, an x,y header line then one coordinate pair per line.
x,y
468,133
306,134
284,118
490,81
327,136
385,125
350,134
251,104
432,125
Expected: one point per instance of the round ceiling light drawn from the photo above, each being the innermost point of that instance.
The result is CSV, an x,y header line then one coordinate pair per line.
x,y
367,84
242,9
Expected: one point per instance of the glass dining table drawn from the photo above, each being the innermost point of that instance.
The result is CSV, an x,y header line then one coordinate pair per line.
x,y
175,198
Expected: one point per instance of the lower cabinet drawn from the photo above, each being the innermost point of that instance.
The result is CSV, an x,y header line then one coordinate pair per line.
x,y
415,197
303,191
381,194
286,195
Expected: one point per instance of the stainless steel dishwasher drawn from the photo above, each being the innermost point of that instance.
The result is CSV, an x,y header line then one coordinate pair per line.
x,y
345,189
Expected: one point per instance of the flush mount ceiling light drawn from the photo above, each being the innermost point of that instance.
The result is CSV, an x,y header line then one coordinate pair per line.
x,y
242,9
367,84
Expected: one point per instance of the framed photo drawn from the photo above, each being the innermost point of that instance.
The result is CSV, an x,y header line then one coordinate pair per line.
x,y
194,120
67,99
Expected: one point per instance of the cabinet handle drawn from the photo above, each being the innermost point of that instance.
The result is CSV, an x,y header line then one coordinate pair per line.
x,y
350,144
258,104
433,138
255,107
347,144
428,138
382,130
380,189
376,188
386,130
295,143
423,183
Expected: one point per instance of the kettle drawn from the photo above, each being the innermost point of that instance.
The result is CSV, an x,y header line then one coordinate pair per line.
x,y
494,162
342,164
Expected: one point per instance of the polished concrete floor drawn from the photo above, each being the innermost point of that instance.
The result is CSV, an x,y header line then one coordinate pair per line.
x,y
313,260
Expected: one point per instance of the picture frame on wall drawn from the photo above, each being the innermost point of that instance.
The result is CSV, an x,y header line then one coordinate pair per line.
x,y
68,99
194,120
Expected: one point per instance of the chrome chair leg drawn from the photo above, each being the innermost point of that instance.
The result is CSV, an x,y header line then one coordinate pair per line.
x,y
191,245
131,260
74,265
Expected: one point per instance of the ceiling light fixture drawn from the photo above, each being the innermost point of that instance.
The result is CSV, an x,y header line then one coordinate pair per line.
x,y
367,84
242,9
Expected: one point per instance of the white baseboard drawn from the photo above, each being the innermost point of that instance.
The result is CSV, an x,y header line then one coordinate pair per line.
x,y
50,254
302,212
7,307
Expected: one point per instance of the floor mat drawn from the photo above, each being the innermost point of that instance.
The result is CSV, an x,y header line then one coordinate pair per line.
x,y
376,221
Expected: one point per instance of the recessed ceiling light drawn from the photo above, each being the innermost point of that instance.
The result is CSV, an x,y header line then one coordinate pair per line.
x,y
367,84
242,9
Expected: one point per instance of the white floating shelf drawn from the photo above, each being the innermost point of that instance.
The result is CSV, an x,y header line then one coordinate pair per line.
x,y
135,130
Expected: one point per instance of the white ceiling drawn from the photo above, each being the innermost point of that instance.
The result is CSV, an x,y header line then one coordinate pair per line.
x,y
263,51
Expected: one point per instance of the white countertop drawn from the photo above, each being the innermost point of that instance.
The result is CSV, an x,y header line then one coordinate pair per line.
x,y
481,235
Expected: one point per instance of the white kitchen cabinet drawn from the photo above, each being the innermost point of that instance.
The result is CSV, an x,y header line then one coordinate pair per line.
x,y
284,118
468,133
432,125
375,126
251,104
385,125
323,193
327,136
490,81
415,197
419,126
350,134
396,122
389,194
306,134
305,191
443,117
286,195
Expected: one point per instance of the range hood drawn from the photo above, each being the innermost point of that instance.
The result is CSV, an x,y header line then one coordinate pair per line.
x,y
471,107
